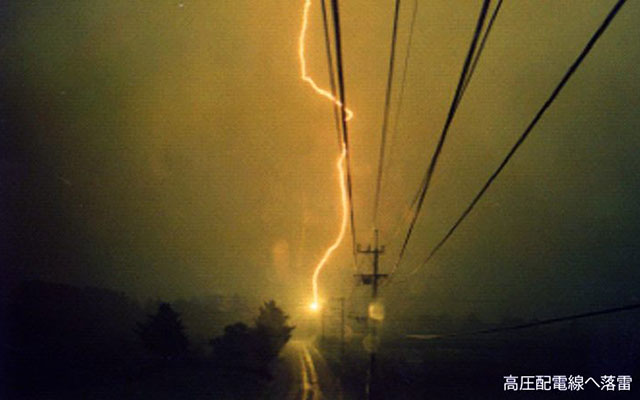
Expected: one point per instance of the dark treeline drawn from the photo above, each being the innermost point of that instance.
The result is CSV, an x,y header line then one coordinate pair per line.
x,y
68,342
205,316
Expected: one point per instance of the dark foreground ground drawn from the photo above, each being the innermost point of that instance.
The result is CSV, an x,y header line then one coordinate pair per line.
x,y
67,352
455,368
474,366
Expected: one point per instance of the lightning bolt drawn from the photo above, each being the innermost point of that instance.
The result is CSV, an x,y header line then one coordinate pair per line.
x,y
339,163
304,75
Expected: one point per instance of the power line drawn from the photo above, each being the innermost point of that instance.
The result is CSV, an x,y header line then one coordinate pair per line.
x,y
472,69
447,124
533,323
476,58
385,118
405,63
332,77
336,107
343,114
474,63
572,69
403,81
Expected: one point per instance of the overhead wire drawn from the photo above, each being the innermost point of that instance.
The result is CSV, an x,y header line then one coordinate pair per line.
x,y
343,114
531,324
332,77
336,106
394,132
472,69
405,68
554,94
451,114
483,42
385,117
476,57
474,64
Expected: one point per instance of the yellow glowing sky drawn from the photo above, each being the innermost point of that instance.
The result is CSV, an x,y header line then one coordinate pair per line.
x,y
198,160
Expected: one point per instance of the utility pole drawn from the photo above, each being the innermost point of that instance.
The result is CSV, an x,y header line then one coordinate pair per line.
x,y
372,279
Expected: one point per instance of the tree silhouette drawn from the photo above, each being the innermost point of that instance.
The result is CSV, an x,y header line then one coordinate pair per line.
x,y
253,348
271,324
237,348
163,333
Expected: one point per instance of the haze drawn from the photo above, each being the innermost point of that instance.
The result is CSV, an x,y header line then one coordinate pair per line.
x,y
170,149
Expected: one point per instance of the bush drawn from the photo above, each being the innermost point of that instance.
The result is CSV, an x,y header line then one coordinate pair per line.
x,y
253,348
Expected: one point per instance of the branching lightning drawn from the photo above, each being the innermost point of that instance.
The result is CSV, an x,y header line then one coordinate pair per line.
x,y
339,163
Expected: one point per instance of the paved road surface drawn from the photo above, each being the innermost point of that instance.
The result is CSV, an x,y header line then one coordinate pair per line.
x,y
308,374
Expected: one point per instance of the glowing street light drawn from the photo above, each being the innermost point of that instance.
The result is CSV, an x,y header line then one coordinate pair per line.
x,y
376,311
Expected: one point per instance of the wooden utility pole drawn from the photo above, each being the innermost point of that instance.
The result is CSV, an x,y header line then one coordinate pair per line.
x,y
372,279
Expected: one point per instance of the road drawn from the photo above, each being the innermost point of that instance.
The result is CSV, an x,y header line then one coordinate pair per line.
x,y
308,373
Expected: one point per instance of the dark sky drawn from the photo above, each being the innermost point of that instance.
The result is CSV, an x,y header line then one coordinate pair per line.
x,y
170,149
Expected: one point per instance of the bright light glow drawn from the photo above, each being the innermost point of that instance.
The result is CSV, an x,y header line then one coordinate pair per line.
x,y
340,162
314,306
376,311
